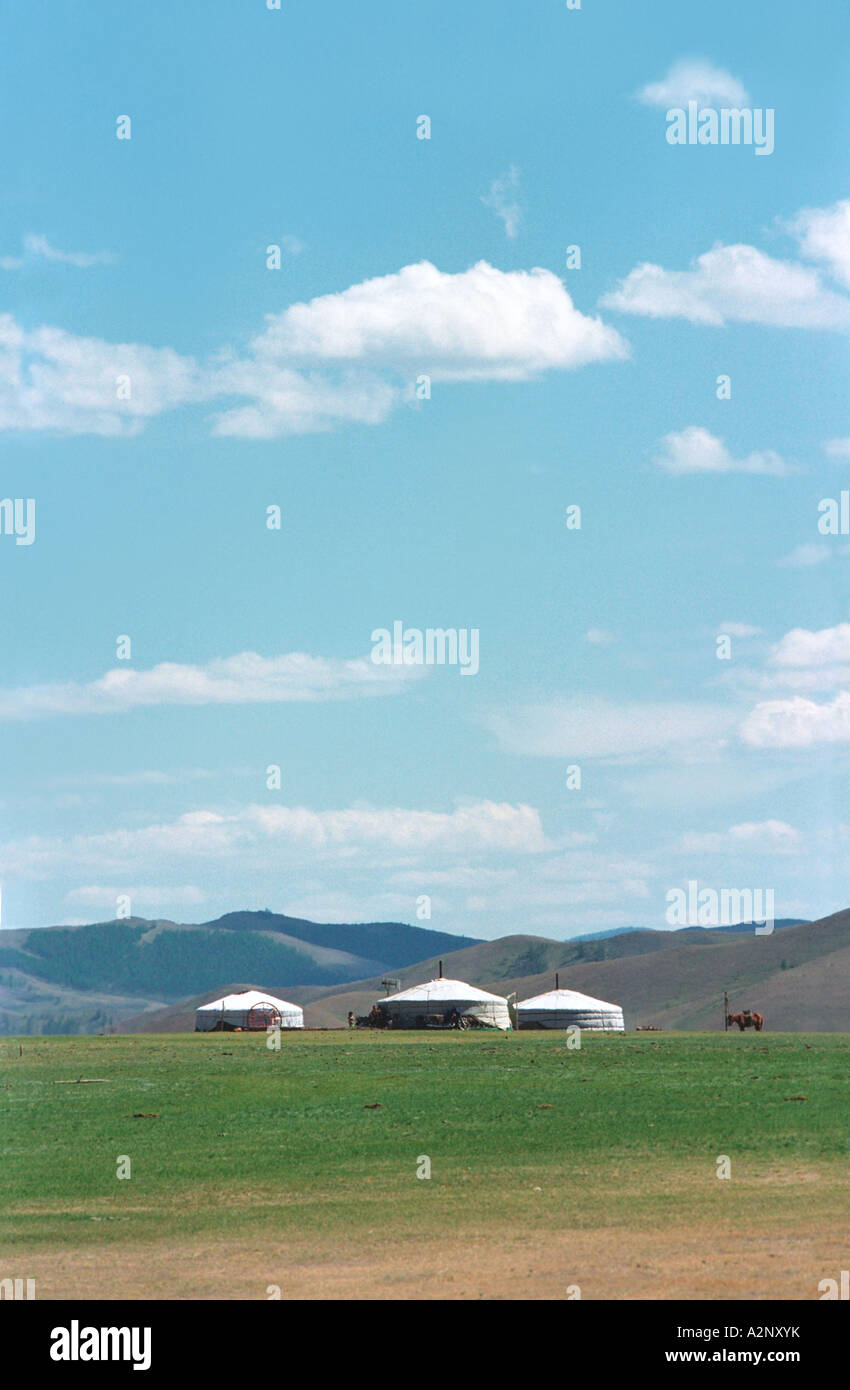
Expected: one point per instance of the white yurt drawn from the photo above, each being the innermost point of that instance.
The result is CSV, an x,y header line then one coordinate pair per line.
x,y
436,1000
252,1011
566,1008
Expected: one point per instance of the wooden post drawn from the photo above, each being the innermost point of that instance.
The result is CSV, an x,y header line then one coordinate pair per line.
x,y
557,980
725,1012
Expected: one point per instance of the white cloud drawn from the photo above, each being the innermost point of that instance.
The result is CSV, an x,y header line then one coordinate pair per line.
x,y
695,450
599,637
50,380
741,284
37,247
289,402
346,357
198,834
695,79
733,284
243,679
798,723
803,660
305,836
805,556
352,356
739,629
595,728
503,198
824,235
483,826
802,647
750,837
482,324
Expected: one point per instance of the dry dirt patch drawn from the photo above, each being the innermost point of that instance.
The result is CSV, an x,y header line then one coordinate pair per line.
x,y
698,1262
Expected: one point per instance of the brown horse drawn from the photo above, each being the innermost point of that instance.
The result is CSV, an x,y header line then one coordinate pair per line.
x,y
749,1018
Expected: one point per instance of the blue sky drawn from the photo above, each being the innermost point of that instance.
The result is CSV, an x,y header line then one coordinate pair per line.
x,y
253,387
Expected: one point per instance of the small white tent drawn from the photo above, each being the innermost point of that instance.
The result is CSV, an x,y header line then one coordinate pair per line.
x,y
251,1011
565,1008
438,999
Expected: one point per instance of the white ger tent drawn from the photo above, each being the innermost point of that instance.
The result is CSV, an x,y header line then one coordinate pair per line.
x,y
413,1008
251,1010
435,999
565,1008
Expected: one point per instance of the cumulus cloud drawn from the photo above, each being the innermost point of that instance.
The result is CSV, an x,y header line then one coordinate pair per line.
x,y
345,357
352,355
798,723
802,647
824,235
595,728
482,324
695,450
484,826
503,198
733,284
253,832
695,79
285,402
804,660
51,380
750,837
243,679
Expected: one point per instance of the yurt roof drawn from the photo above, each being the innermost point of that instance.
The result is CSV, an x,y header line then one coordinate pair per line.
x,y
442,989
248,999
564,999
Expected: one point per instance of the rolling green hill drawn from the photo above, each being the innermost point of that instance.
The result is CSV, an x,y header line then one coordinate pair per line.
x,y
141,976
86,978
799,978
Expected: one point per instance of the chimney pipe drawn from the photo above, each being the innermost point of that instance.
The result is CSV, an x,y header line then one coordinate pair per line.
x,y
557,980
441,970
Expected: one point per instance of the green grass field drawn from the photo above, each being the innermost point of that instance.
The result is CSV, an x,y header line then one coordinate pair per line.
x,y
550,1167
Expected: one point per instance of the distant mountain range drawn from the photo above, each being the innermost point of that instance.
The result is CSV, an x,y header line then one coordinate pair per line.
x,y
798,977
149,976
86,978
736,929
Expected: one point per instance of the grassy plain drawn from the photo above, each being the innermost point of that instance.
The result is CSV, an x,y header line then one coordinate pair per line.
x,y
551,1168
